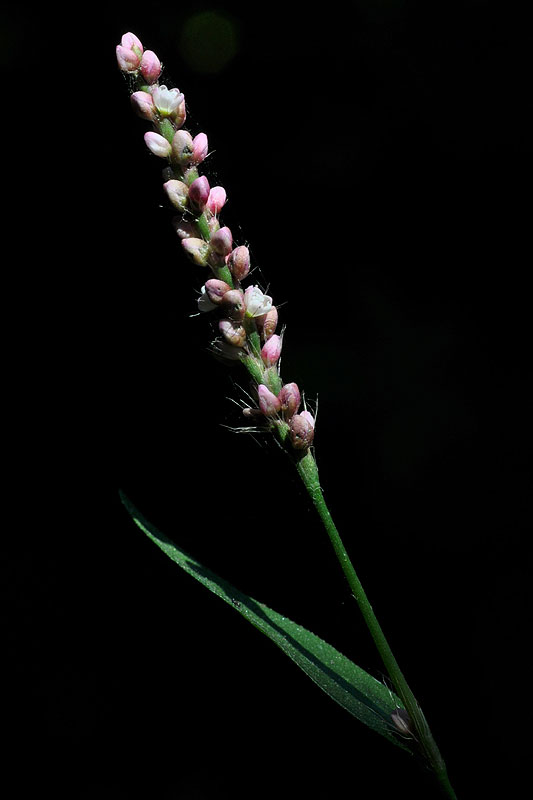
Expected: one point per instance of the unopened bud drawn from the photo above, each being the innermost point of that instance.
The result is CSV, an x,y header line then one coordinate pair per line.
x,y
221,241
199,192
271,351
182,148
216,289
129,53
199,148
157,144
239,262
143,105
302,430
196,249
150,66
177,193
268,323
268,402
290,399
216,199
232,332
234,299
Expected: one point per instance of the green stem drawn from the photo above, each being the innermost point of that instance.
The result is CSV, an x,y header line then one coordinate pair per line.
x,y
308,472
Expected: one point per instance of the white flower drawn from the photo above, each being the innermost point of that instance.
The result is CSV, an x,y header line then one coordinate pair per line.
x,y
256,302
166,100
204,303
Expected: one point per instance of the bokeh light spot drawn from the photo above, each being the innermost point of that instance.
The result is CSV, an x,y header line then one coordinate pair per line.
x,y
208,41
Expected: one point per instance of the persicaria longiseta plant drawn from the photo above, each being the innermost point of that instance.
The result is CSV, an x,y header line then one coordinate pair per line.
x,y
247,322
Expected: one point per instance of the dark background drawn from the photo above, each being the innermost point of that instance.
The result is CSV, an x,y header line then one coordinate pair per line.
x,y
377,159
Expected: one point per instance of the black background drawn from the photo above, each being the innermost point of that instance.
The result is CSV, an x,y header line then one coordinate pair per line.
x,y
377,159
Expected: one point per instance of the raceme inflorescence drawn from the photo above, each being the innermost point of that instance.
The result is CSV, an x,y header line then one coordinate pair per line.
x,y
248,319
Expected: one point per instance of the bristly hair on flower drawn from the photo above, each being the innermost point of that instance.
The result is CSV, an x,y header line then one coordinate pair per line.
x,y
247,318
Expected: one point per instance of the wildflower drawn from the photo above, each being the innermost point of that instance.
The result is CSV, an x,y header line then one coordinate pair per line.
x,y
157,144
234,301
232,332
143,105
239,262
256,302
199,148
177,193
302,430
216,199
271,351
221,241
196,249
182,147
150,66
268,402
267,324
199,192
290,399
166,101
204,301
129,53
216,289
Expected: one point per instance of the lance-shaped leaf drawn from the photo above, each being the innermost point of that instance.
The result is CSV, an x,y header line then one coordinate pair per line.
x,y
346,683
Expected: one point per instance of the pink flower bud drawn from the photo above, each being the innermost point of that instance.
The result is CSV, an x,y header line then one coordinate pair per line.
x,y
302,430
157,144
216,289
268,402
268,323
309,417
290,399
232,332
199,192
177,193
239,262
271,351
196,249
180,115
182,147
129,53
132,42
143,105
199,149
150,66
216,199
234,299
221,241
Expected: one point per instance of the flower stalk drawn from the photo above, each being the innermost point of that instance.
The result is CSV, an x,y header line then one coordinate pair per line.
x,y
416,724
247,324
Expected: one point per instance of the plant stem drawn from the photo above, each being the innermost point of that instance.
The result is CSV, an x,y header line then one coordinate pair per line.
x,y
308,471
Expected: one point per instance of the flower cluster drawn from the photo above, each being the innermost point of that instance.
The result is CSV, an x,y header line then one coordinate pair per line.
x,y
248,318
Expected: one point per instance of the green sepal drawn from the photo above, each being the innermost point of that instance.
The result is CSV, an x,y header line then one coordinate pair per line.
x,y
254,367
167,129
272,380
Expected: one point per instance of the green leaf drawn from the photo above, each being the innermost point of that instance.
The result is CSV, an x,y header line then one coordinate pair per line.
x,y
346,683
